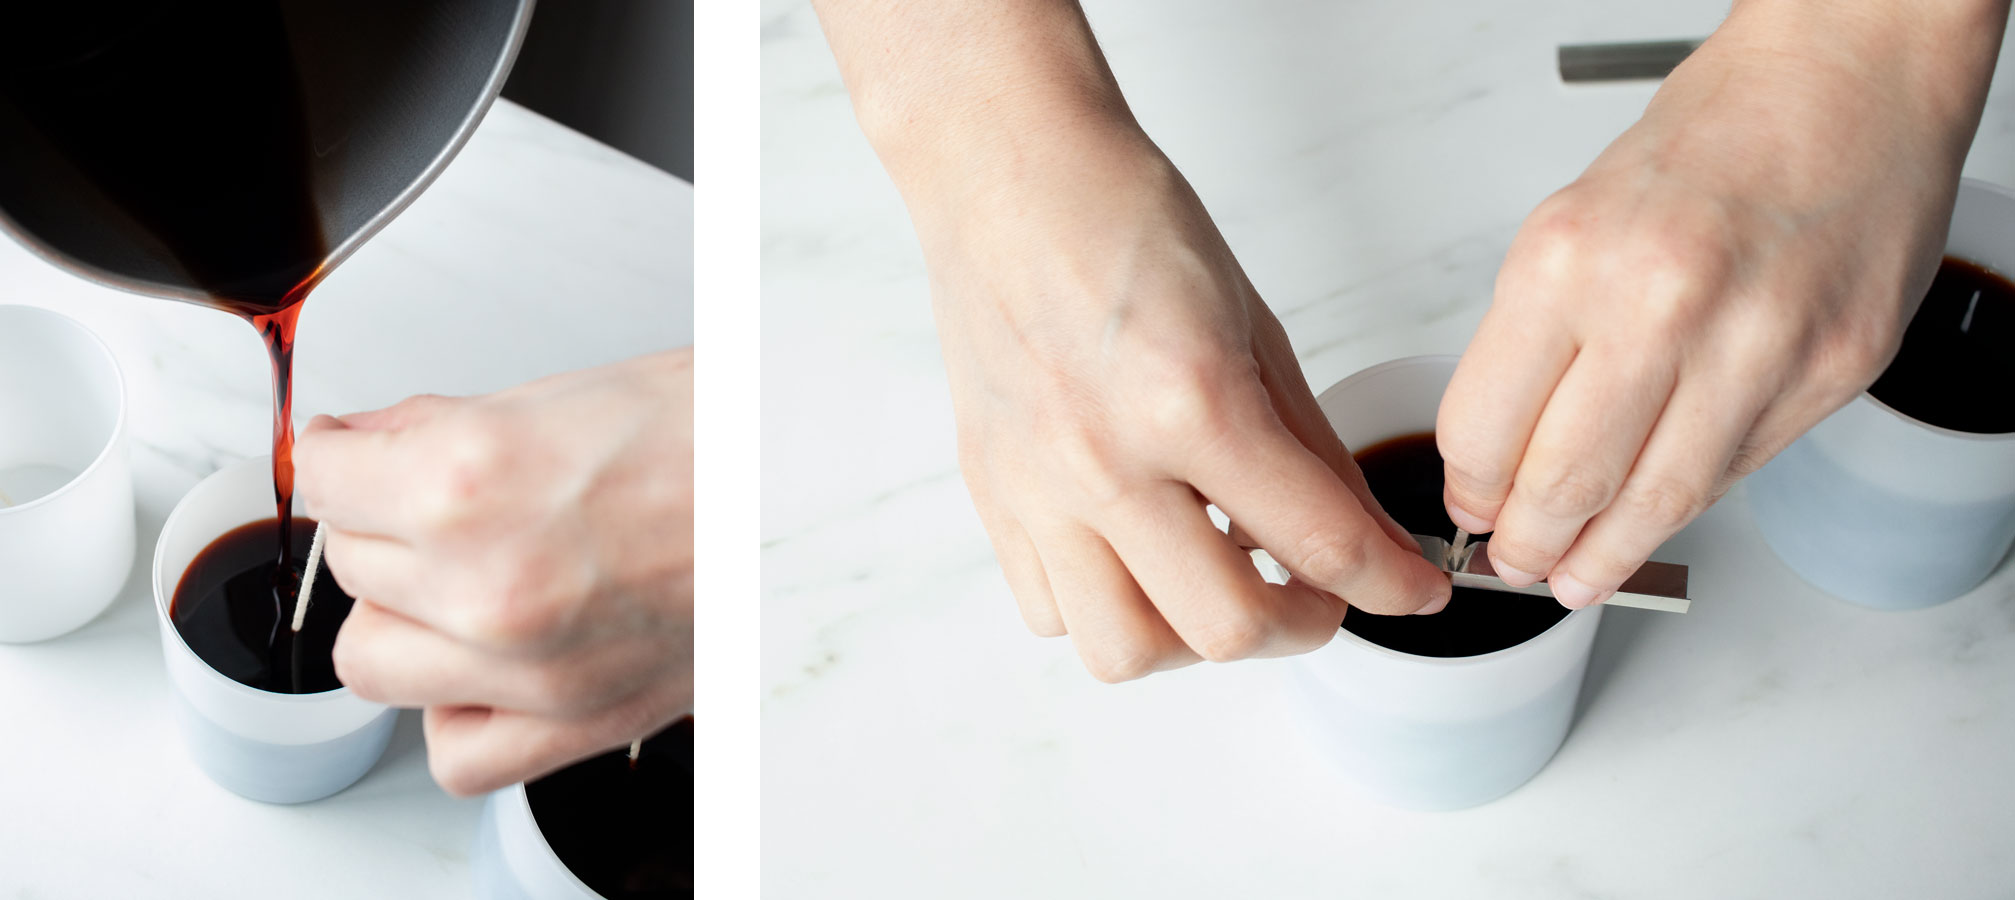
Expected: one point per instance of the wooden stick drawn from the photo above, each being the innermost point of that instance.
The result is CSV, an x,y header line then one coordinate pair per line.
x,y
308,580
636,749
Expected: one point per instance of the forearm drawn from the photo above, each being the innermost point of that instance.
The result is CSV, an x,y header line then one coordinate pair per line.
x,y
965,96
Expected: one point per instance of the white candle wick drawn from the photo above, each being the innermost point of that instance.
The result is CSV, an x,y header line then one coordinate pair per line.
x,y
308,580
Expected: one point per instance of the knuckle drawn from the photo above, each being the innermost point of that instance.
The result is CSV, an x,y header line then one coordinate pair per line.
x,y
453,774
473,465
1309,640
1573,491
1763,348
1046,627
1087,456
1552,243
1118,663
1233,637
1661,502
1042,622
1510,552
1187,393
355,672
1678,279
1328,559
1472,472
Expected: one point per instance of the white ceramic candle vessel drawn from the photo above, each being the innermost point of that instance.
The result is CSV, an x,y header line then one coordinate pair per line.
x,y
66,485
1882,510
1424,732
511,859
278,748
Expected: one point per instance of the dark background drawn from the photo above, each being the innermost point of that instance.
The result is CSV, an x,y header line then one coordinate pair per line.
x,y
619,71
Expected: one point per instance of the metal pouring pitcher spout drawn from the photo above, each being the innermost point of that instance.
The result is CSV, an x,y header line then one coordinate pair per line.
x,y
390,92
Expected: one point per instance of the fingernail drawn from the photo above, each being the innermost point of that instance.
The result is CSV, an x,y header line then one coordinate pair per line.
x,y
1573,594
1466,520
1439,604
1512,576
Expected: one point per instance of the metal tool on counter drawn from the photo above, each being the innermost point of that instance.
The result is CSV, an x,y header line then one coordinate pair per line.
x,y
1622,62
1656,585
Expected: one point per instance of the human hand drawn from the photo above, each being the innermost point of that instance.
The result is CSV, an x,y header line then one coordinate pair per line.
x,y
522,563
1731,270
1111,368
1113,371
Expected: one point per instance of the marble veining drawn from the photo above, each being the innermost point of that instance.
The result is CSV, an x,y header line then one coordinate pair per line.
x,y
1369,162
538,251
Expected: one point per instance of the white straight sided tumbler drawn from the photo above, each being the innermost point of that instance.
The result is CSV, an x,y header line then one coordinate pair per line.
x,y
1882,510
1434,733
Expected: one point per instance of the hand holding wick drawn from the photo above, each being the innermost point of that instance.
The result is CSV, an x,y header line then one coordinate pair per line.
x,y
1112,369
1730,271
522,563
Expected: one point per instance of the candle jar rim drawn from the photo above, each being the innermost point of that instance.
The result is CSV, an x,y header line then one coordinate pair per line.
x,y
112,439
224,500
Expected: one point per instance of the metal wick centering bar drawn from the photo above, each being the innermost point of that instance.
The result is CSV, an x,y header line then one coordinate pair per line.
x,y
1655,585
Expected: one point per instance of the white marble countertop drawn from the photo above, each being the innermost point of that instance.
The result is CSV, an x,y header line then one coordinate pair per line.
x,y
538,251
1369,163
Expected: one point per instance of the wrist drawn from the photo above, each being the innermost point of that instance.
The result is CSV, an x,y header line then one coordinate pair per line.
x,y
1058,182
971,94
1928,61
973,152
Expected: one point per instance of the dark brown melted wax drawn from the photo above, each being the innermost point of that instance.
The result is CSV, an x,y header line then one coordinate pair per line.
x,y
188,116
1958,353
235,607
625,830
1405,475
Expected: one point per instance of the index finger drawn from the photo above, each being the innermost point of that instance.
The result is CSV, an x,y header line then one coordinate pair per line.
x,y
1490,409
355,479
1299,510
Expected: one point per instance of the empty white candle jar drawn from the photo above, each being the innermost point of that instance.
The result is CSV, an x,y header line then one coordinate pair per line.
x,y
511,859
277,748
1422,732
66,484
1880,509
